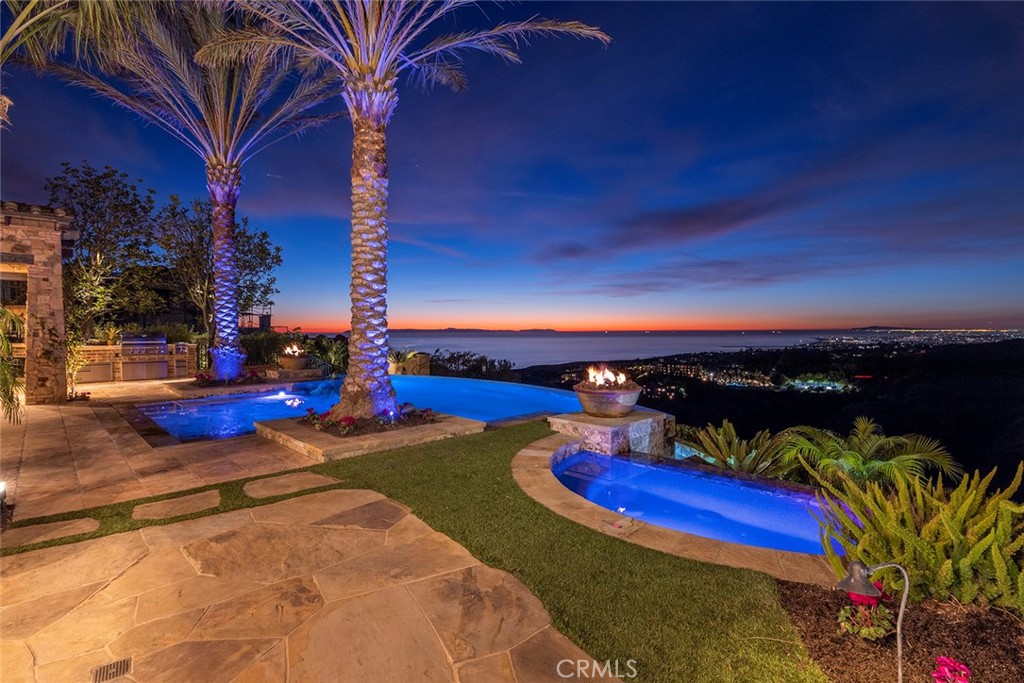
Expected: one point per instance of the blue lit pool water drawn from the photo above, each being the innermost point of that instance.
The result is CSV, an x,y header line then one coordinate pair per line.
x,y
225,417
697,502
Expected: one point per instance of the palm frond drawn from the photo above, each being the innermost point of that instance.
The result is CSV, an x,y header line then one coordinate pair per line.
x,y
232,47
40,29
504,39
867,454
224,111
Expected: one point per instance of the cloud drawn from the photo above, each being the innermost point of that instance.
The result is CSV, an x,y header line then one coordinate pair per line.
x,y
441,249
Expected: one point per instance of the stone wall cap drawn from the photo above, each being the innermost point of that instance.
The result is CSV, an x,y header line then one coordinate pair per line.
x,y
33,209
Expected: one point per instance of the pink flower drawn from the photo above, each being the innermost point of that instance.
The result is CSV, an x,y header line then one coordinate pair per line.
x,y
949,670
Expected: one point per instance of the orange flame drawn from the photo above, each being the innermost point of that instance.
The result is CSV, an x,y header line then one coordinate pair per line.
x,y
292,350
602,375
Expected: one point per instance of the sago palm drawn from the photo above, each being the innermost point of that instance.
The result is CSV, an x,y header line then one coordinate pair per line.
x,y
866,454
722,447
370,43
11,326
225,113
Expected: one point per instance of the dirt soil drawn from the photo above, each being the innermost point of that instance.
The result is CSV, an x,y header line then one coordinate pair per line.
x,y
989,641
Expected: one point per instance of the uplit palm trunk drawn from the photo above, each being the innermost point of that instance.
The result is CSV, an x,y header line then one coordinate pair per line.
x,y
367,389
224,183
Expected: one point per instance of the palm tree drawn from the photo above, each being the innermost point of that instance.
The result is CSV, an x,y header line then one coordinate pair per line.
x,y
225,113
11,385
867,454
370,43
722,447
39,29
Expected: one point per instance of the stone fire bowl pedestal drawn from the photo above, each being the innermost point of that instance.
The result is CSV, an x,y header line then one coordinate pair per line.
x,y
292,362
606,402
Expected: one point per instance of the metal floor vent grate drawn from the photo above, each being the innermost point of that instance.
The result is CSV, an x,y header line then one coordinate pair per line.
x,y
108,672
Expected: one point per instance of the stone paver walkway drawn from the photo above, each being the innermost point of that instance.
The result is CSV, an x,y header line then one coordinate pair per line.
x,y
172,507
335,586
47,532
286,483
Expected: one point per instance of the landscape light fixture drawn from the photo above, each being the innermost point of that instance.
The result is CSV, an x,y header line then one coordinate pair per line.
x,y
858,580
3,491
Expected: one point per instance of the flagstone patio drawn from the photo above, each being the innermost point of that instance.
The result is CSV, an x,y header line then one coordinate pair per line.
x,y
84,454
342,585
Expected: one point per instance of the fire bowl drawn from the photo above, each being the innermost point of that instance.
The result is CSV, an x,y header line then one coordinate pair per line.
x,y
292,362
606,402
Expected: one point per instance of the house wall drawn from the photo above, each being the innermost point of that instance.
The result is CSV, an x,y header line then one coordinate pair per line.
x,y
30,243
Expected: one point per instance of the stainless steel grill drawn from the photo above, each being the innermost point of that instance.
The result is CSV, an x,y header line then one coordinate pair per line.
x,y
143,358
143,346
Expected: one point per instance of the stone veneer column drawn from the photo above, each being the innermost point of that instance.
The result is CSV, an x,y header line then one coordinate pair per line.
x,y
30,242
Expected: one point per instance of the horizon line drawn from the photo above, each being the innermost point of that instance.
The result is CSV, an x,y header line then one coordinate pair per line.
x,y
774,330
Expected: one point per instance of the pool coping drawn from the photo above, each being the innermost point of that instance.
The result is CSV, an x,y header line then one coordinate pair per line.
x,y
531,469
302,438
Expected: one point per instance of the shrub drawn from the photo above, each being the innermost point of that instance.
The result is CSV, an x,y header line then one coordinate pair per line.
x,y
262,348
720,446
961,543
448,363
330,350
866,454
174,332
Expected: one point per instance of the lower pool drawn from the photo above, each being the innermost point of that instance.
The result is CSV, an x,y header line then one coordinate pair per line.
x,y
227,416
695,501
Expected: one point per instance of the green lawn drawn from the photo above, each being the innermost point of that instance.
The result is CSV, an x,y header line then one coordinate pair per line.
x,y
680,620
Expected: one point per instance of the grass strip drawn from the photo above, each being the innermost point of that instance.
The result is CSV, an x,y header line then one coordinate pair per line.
x,y
117,518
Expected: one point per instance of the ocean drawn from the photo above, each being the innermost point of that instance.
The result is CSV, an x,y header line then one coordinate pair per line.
x,y
552,348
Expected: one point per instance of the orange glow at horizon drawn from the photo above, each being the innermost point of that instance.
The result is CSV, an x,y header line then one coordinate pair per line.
x,y
725,322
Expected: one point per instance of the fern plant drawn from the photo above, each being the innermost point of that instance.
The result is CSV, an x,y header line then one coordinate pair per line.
x,y
962,543
762,455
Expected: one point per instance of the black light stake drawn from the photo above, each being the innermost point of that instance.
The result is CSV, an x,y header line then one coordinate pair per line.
x,y
858,580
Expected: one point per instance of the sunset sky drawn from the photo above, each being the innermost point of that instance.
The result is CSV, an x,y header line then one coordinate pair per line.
x,y
718,166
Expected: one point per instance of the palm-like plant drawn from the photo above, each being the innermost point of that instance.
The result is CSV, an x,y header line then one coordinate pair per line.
x,y
370,43
868,455
39,29
225,113
10,384
762,455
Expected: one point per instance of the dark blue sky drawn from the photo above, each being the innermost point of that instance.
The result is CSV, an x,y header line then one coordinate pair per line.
x,y
719,166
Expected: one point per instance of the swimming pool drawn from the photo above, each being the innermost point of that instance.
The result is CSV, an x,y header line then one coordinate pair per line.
x,y
697,502
223,417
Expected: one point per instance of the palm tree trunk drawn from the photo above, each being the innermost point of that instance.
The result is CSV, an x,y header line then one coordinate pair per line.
x,y
224,181
367,390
